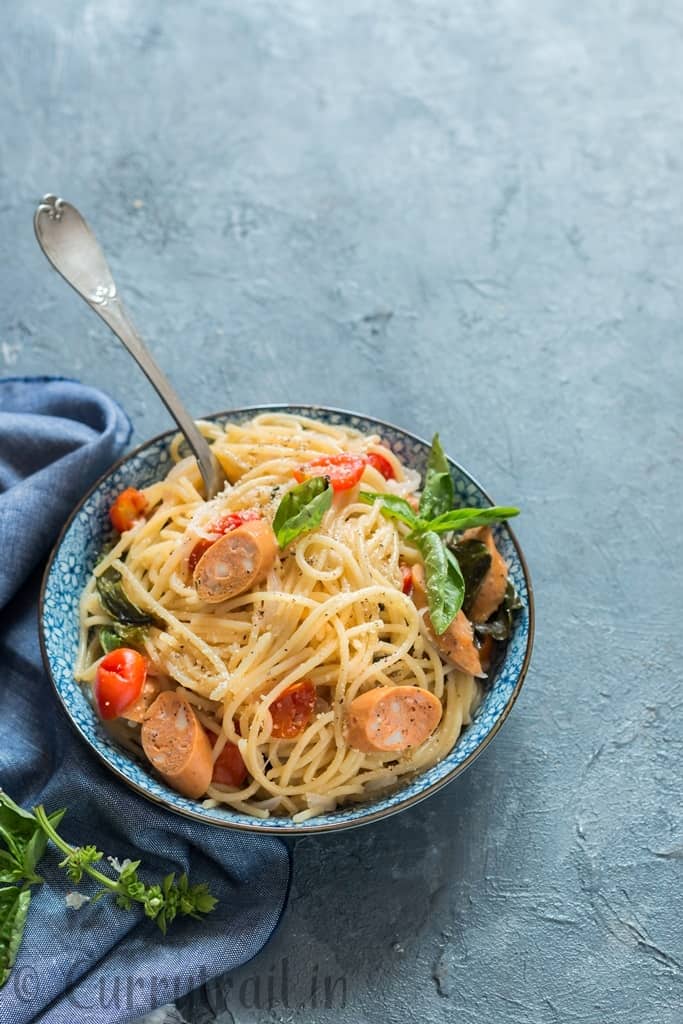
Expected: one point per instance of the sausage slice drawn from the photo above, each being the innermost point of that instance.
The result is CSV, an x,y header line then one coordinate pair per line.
x,y
457,643
236,562
492,589
392,718
176,744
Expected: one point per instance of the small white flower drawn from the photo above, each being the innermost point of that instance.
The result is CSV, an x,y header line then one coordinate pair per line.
x,y
76,900
119,865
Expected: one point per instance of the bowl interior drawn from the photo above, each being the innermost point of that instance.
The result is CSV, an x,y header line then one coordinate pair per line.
x,y
79,548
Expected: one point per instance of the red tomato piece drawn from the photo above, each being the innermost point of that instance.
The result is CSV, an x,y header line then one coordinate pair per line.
x,y
127,509
228,769
293,710
407,581
381,464
197,551
120,677
218,529
233,520
343,471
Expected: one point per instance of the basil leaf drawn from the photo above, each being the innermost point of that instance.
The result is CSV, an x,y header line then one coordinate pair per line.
x,y
393,507
120,635
117,602
474,559
437,494
499,626
11,869
444,583
302,509
466,518
14,904
25,841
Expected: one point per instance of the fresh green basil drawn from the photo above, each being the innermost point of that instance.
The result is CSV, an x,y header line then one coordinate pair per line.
x,y
474,559
24,841
392,507
466,518
14,904
26,836
116,601
444,582
302,509
438,493
499,626
120,635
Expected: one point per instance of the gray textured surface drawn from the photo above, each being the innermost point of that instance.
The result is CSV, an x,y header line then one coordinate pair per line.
x,y
456,215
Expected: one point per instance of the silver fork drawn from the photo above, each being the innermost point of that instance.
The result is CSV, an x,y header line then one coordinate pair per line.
x,y
71,247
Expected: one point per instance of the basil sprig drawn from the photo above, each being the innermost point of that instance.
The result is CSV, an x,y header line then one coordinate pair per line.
x,y
22,845
456,519
302,509
447,587
23,842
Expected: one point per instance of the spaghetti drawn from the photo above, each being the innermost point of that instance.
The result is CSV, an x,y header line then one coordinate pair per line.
x,y
330,611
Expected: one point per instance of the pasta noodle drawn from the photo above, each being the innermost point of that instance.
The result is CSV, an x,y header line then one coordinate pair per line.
x,y
331,610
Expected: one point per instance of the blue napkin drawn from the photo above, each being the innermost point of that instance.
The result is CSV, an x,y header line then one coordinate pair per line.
x,y
98,963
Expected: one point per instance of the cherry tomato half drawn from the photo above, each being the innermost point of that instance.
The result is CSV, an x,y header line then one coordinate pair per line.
x,y
292,710
343,471
127,509
381,464
120,677
233,520
228,769
407,579
218,529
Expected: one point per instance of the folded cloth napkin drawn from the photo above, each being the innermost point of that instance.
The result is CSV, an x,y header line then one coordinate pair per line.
x,y
99,962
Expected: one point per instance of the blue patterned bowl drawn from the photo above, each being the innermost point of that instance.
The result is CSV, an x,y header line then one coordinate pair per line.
x,y
79,547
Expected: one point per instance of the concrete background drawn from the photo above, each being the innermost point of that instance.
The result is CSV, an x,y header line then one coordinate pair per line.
x,y
465,216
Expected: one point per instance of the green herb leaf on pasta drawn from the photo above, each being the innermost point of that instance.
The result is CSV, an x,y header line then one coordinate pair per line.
x,y
302,509
444,581
120,635
392,507
466,518
116,601
438,494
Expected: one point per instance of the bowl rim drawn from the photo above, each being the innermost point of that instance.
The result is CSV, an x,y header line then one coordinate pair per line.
x,y
305,827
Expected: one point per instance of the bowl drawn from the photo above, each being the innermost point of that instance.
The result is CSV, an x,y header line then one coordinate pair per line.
x,y
80,544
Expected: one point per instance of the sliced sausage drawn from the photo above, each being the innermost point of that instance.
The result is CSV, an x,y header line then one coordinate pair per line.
x,y
176,744
236,562
392,718
492,589
457,643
